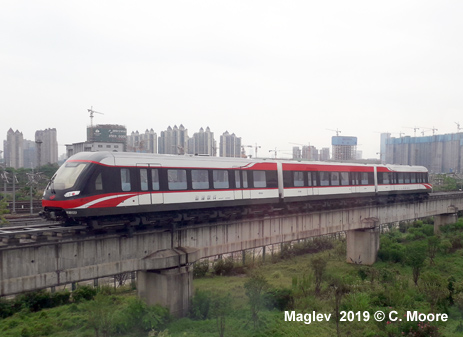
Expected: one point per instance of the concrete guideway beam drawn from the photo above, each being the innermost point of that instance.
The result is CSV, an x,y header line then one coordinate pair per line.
x,y
31,266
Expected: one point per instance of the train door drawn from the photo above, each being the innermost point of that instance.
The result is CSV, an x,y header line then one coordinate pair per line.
x,y
245,184
149,184
144,195
157,197
238,185
314,182
242,190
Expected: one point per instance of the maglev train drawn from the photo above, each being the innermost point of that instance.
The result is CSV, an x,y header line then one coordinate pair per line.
x,y
98,188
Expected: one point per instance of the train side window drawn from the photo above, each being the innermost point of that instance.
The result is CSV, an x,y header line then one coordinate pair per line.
x,y
334,178
344,178
176,180
287,181
155,179
99,183
413,178
401,178
220,178
364,178
259,179
298,179
324,178
355,178
144,179
407,178
380,178
200,179
426,178
237,179
309,179
385,177
315,179
125,180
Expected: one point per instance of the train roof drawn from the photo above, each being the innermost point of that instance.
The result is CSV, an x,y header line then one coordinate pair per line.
x,y
134,158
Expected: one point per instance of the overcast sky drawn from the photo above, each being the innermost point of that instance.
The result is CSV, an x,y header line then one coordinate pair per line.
x,y
272,72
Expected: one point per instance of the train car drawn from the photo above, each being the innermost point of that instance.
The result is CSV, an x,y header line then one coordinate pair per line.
x,y
98,188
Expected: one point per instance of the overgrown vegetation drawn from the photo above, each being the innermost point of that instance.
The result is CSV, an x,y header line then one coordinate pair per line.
x,y
416,271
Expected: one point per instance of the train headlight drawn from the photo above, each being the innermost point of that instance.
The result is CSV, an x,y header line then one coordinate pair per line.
x,y
71,194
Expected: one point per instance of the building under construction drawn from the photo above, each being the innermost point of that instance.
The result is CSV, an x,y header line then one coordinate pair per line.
x,y
438,153
344,148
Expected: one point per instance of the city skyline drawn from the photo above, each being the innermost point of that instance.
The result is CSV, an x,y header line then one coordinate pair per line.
x,y
273,73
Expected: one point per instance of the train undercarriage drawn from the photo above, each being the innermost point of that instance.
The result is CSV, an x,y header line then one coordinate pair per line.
x,y
185,217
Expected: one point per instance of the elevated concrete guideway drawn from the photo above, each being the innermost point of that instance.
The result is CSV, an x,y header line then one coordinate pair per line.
x,y
163,257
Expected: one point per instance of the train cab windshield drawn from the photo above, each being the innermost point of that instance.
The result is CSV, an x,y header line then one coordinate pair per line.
x,y
67,175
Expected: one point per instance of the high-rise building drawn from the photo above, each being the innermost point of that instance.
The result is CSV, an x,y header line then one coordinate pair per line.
x,y
14,149
324,154
46,147
438,153
143,142
173,140
230,145
297,153
30,154
202,143
344,148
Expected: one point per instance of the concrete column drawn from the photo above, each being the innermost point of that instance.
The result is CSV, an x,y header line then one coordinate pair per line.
x,y
362,245
444,219
172,288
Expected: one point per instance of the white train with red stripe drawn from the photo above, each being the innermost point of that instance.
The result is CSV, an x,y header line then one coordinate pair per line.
x,y
114,187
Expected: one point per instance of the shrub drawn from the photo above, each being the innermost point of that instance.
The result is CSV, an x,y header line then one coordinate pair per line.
x,y
223,267
393,252
84,293
35,300
200,268
279,298
200,305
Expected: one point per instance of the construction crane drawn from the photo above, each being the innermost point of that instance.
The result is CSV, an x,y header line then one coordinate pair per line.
x,y
458,126
414,129
433,129
243,151
91,115
337,131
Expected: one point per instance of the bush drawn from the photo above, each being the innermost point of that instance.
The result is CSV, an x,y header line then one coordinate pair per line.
x,y
394,252
138,317
200,305
224,267
200,268
35,300
280,299
84,293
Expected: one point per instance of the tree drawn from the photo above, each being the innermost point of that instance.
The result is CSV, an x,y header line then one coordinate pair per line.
x,y
100,315
3,210
434,288
318,265
415,257
433,247
254,289
339,288
221,306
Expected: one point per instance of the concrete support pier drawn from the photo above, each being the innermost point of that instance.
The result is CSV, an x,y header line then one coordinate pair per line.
x,y
172,288
444,219
167,279
362,245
